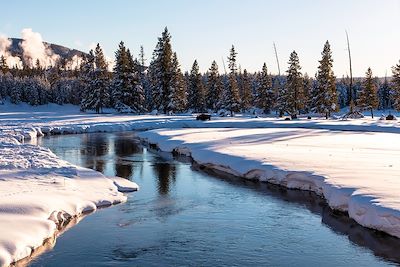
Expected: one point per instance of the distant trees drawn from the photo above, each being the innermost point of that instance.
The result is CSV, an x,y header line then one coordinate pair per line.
x,y
368,99
135,87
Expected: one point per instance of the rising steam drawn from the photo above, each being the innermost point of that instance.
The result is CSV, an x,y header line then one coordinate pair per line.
x,y
11,61
33,50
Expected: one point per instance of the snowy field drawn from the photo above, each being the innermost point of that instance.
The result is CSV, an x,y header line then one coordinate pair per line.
x,y
354,164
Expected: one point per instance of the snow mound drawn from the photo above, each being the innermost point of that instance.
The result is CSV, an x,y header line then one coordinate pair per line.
x,y
356,172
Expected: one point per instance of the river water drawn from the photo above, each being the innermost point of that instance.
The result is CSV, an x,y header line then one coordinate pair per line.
x,y
183,217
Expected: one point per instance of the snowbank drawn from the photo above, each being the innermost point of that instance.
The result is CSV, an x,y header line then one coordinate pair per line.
x,y
39,192
355,172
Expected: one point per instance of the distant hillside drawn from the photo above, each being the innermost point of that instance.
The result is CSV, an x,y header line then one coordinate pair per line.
x,y
64,52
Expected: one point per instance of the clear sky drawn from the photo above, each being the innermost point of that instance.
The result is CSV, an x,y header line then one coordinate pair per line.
x,y
205,30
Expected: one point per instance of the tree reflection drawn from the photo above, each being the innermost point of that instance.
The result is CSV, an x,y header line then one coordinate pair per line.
x,y
94,147
126,147
166,174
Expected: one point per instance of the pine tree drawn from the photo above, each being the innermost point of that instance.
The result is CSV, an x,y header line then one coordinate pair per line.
x,y
307,92
122,89
196,89
265,97
245,92
138,93
368,98
86,78
279,94
294,86
143,78
384,95
325,96
95,78
100,82
160,72
214,88
282,99
231,98
178,98
396,86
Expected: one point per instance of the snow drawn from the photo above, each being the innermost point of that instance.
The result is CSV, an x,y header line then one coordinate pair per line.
x,y
353,164
356,172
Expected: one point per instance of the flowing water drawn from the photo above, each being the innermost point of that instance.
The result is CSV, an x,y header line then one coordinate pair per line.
x,y
183,217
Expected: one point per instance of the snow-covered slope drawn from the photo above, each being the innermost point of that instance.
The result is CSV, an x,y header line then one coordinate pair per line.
x,y
356,172
38,192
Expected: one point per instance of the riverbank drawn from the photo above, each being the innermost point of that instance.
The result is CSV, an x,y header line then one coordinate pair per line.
x,y
40,192
355,172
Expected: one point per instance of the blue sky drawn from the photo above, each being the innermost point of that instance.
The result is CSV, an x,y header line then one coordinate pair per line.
x,y
205,30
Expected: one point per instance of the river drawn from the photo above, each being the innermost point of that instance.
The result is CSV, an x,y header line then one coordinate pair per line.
x,y
184,217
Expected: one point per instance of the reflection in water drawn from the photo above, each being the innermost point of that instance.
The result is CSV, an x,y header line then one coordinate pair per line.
x,y
94,147
125,147
166,175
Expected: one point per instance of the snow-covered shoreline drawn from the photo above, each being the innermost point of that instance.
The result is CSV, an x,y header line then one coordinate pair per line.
x,y
39,192
371,203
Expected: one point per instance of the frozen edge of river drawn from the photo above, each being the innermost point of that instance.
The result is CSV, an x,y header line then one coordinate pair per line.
x,y
40,194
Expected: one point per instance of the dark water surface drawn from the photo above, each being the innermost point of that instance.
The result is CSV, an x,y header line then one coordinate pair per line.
x,y
182,217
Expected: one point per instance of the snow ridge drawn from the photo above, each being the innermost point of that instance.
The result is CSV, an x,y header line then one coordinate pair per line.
x,y
369,201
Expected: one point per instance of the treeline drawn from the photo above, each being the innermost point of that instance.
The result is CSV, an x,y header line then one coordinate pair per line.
x,y
133,86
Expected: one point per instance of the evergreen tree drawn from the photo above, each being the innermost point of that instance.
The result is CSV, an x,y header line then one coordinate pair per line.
x,y
196,89
160,73
144,81
325,96
231,98
87,76
396,86
178,97
307,92
279,94
384,95
282,99
294,86
245,92
100,82
122,85
138,93
368,98
214,87
265,97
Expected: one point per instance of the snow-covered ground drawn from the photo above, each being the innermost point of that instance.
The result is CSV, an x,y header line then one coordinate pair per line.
x,y
353,164
357,172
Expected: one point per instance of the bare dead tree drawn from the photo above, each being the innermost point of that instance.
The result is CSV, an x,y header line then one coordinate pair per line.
x,y
277,60
351,100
